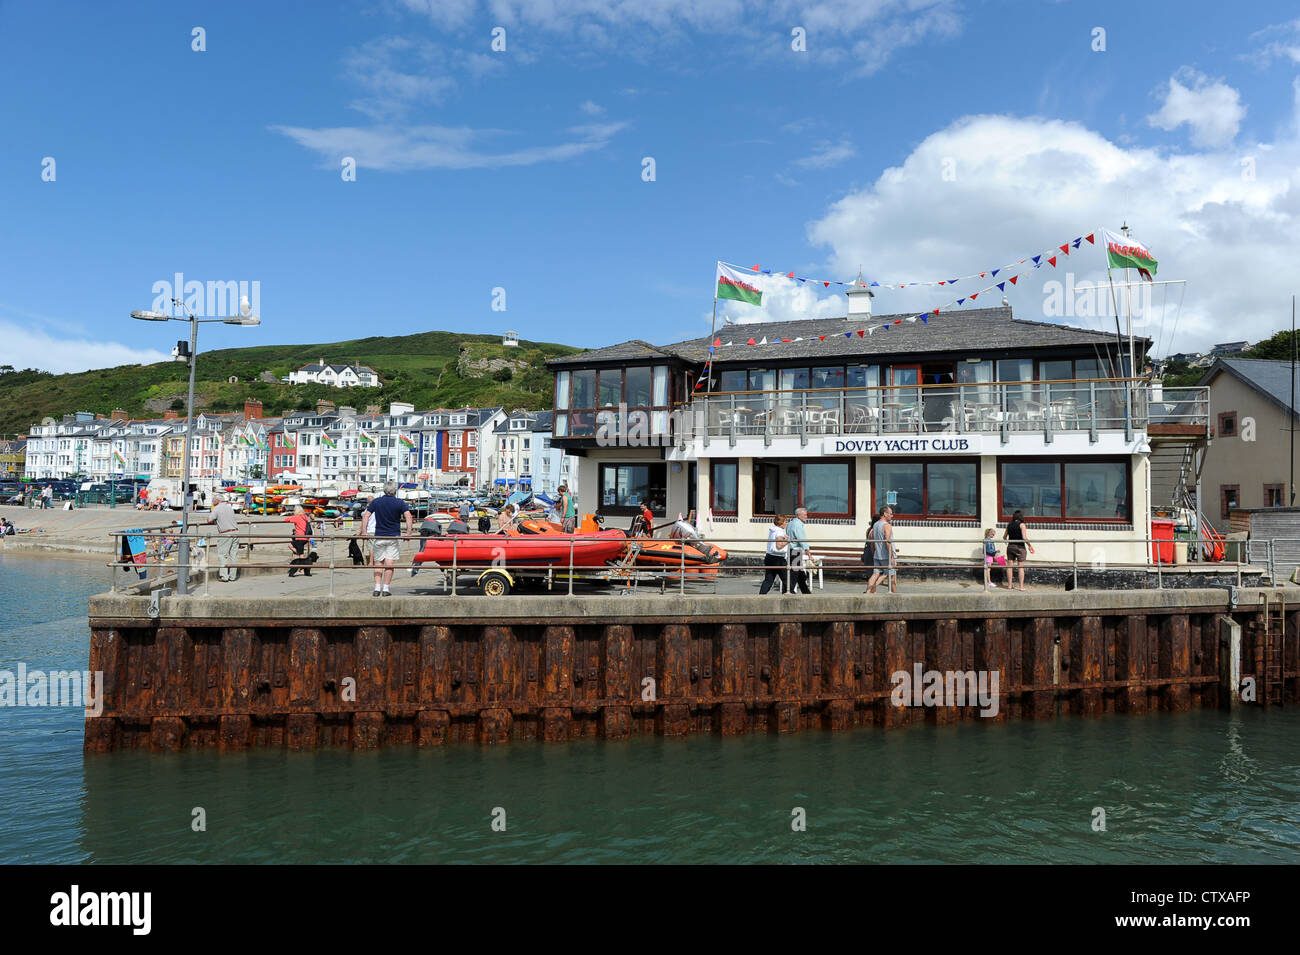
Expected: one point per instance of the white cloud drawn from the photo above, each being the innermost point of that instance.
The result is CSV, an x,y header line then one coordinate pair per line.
x,y
784,300
399,148
1023,185
25,347
590,108
1283,43
1212,109
826,154
398,73
857,36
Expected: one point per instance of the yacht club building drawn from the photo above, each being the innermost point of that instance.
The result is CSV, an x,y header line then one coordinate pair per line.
x,y
956,423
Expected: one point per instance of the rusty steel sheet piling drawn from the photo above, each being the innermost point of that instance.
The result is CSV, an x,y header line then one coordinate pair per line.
x,y
230,673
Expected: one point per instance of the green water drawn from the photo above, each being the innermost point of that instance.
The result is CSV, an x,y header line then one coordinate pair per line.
x,y
1197,787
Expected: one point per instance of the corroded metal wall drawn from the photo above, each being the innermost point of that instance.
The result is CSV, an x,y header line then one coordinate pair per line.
x,y
234,683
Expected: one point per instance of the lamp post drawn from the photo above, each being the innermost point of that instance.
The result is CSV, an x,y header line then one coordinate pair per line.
x,y
183,553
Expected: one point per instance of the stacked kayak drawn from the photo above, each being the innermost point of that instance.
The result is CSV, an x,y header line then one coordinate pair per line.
x,y
520,548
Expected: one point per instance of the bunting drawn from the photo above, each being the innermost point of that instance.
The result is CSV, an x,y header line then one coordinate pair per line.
x,y
1062,249
1007,278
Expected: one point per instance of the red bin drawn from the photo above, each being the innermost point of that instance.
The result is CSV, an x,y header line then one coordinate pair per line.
x,y
1162,541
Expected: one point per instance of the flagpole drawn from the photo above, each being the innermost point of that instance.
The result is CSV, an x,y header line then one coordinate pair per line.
x,y
713,331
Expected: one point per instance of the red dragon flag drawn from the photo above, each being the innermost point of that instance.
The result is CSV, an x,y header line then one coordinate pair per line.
x,y
1128,253
734,284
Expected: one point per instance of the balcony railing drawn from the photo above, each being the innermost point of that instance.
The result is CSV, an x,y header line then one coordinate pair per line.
x,y
1006,408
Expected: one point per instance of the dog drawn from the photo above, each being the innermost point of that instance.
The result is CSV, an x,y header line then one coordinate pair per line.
x,y
305,563
354,552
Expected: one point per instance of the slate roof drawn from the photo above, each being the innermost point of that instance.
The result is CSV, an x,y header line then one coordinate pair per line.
x,y
1272,379
969,330
337,369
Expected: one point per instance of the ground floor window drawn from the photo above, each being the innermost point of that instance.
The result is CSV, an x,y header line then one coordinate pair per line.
x,y
1273,495
723,487
926,489
1085,489
1229,497
625,487
824,487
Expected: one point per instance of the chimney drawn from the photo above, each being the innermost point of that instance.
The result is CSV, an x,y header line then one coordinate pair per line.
x,y
99,417
324,405
252,408
859,298
170,415
119,415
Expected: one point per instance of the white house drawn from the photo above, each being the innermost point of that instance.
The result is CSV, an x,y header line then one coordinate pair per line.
x,y
336,376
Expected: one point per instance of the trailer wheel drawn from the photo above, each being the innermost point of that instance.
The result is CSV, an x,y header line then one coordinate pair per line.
x,y
495,584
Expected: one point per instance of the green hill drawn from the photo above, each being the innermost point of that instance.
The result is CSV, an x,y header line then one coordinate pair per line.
x,y
429,370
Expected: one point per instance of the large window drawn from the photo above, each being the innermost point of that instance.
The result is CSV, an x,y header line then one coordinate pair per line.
x,y
722,485
927,489
1087,489
824,487
624,487
580,394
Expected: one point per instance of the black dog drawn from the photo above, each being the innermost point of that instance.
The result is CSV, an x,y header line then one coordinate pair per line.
x,y
354,551
305,563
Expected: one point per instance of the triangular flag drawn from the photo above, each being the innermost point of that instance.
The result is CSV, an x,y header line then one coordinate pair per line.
x,y
821,338
1076,242
952,281
753,268
790,275
1036,258
995,272
940,283
848,334
750,342
925,320
859,333
875,284
912,319
936,311
1052,261
784,340
981,275
898,321
960,300
798,339
1089,237
767,271
803,280
1002,286
1065,248
1013,278
827,284
974,295
717,342
764,341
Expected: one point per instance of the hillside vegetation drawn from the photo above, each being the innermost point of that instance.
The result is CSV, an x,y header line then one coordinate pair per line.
x,y
423,369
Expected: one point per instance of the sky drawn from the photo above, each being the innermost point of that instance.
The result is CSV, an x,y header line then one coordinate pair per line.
x,y
578,182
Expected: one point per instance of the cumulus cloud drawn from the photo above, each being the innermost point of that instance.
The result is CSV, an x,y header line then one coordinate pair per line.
x,y
591,109
27,347
399,73
401,148
1021,185
1212,109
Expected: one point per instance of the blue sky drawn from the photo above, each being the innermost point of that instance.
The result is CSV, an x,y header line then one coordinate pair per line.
x,y
522,168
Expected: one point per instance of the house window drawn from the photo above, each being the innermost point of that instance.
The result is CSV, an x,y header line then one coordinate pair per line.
x,y
1088,489
455,439
1228,424
623,487
1229,497
1273,495
471,459
824,487
722,482
927,489
453,460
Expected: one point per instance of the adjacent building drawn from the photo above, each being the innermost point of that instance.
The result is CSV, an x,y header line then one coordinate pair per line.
x,y
320,372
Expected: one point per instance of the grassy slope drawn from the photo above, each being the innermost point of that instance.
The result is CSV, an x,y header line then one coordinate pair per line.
x,y
418,368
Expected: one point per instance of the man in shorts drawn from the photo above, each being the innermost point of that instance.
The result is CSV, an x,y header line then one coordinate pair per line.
x,y
388,510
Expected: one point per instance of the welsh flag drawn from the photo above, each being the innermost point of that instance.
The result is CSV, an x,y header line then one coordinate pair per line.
x,y
329,442
737,285
287,441
406,440
366,438
1128,253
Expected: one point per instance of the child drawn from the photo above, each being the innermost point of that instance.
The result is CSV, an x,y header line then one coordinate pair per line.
x,y
991,557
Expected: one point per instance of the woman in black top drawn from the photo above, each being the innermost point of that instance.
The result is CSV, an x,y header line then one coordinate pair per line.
x,y
1016,540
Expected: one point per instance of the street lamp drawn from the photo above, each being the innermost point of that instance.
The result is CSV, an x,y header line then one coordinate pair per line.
x,y
183,553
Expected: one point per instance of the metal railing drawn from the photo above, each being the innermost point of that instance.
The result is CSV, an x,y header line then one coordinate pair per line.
x,y
841,556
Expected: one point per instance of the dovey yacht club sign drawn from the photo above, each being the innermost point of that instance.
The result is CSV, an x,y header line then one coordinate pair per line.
x,y
911,444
